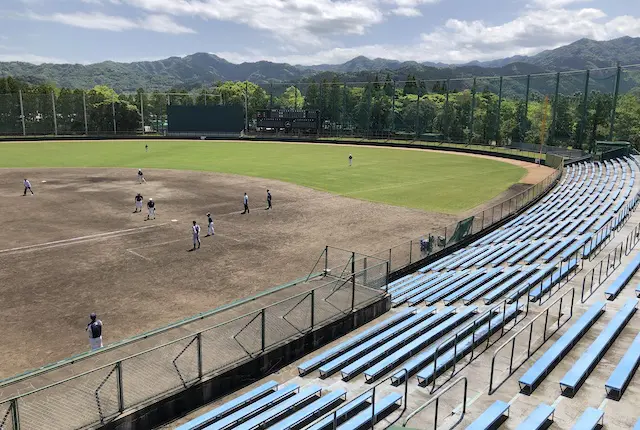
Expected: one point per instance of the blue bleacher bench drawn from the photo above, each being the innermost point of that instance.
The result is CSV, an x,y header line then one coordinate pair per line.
x,y
492,417
591,419
621,376
381,408
545,364
309,412
280,410
540,418
623,278
343,413
231,406
319,359
255,408
576,376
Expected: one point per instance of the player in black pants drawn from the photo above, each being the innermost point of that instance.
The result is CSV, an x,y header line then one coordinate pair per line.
x,y
268,200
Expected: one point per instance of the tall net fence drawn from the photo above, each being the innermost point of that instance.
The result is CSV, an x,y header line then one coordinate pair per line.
x,y
90,398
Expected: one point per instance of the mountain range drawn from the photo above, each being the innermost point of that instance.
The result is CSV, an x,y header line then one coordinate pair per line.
x,y
202,69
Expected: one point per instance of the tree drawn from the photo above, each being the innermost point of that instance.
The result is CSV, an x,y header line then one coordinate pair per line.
x,y
312,98
292,98
410,86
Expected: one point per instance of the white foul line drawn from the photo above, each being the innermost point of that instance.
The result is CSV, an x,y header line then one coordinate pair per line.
x,y
141,256
81,238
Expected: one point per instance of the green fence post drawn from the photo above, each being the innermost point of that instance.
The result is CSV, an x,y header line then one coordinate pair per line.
x,y
585,107
24,127
120,386
55,115
199,351
263,324
84,110
353,281
410,250
473,109
393,107
418,134
498,135
313,308
271,95
615,103
113,112
15,414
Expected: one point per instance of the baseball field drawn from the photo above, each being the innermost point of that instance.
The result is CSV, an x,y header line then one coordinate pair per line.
x,y
75,247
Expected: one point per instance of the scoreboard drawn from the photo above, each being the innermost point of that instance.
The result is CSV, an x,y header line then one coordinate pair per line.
x,y
288,120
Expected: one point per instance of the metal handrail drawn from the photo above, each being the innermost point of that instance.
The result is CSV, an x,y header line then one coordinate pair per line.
x,y
436,399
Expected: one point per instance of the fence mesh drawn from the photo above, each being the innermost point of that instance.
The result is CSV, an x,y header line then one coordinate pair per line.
x,y
158,371
76,403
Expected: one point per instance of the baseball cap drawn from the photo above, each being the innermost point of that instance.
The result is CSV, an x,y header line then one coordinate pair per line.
x,y
92,315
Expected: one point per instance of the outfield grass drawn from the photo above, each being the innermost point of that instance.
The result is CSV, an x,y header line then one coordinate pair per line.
x,y
431,181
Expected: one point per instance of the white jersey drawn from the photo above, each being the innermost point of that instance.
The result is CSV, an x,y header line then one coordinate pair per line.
x,y
196,230
27,184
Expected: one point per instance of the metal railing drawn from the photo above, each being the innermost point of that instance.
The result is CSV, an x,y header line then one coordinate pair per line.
x,y
98,395
414,250
436,400
601,272
530,328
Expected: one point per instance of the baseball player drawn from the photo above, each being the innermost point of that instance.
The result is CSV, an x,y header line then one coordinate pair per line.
x,y
146,148
196,235
210,231
141,178
138,199
246,204
350,160
94,328
269,200
151,207
27,186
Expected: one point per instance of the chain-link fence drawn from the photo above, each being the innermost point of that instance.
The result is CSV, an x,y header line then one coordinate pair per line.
x,y
421,247
569,109
90,398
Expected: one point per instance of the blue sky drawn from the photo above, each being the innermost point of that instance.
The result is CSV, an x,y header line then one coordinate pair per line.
x,y
303,31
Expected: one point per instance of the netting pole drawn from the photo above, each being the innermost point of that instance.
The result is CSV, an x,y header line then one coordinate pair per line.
x,y
353,281
24,127
246,106
499,116
446,111
142,108
53,110
113,112
271,95
526,110
418,134
295,96
473,108
615,103
84,109
554,113
393,107
585,101
344,105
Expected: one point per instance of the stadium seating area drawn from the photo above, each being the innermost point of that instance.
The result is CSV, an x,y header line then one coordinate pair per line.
x,y
449,307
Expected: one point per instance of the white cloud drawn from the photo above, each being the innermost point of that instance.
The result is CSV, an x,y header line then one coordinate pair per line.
x,y
296,21
406,11
31,58
460,41
555,4
101,21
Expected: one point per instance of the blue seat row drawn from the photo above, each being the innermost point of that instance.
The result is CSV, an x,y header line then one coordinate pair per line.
x,y
311,411
392,360
497,280
545,364
530,282
319,359
575,377
404,296
346,357
343,413
306,395
457,276
621,376
379,410
230,407
622,279
565,269
466,345
540,418
589,420
492,417
435,296
255,408
454,296
427,326
498,292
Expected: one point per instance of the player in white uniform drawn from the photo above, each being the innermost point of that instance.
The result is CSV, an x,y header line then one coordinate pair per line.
x,y
151,207
210,231
94,328
141,178
138,199
27,186
196,235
